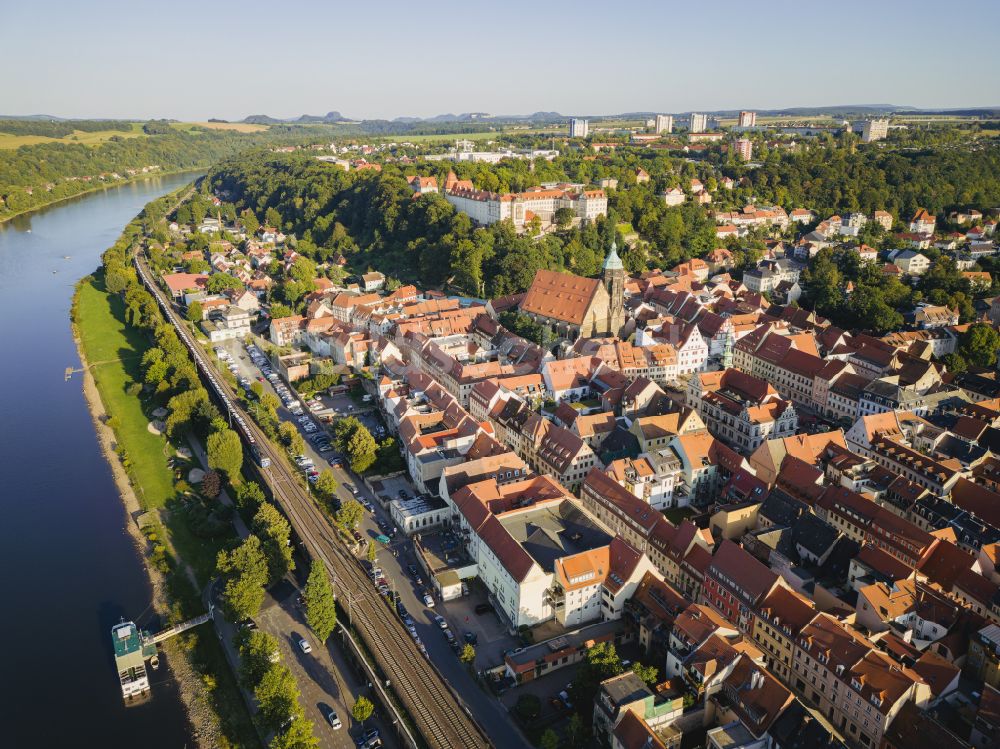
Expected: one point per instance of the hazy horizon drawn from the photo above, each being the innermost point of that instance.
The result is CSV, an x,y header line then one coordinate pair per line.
x,y
111,59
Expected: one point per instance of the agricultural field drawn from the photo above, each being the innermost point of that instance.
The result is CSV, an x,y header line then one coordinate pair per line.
x,y
8,141
239,127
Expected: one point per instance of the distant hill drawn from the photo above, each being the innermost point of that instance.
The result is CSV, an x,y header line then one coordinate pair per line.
x,y
978,112
261,119
846,111
305,119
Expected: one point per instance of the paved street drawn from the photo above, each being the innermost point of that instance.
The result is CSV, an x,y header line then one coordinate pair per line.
x,y
486,709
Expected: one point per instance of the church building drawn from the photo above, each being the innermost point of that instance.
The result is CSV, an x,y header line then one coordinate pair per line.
x,y
575,307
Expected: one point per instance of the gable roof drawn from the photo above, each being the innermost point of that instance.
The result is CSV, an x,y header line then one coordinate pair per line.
x,y
733,563
561,296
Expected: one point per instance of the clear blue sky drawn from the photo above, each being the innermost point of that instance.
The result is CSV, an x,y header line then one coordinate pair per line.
x,y
385,58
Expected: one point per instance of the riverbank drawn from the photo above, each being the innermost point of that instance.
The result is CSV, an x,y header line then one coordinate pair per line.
x,y
98,188
177,563
204,724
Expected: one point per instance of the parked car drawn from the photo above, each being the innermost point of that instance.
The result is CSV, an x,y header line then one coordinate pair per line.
x,y
334,720
470,637
428,600
304,646
440,621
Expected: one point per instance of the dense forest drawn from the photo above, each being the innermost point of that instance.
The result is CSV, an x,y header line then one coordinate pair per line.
x,y
373,220
60,128
838,179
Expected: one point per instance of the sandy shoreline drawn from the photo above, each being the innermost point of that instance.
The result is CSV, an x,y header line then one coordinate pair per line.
x,y
204,723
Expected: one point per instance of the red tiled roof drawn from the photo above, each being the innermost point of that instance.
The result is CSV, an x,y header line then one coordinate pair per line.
x,y
732,562
560,296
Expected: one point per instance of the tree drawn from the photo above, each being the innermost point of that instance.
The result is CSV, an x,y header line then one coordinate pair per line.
x,y
219,282
116,279
549,740
821,282
326,485
362,710
955,363
190,408
257,654
277,697
225,453
279,310
978,345
245,572
468,655
563,217
286,433
249,495
372,553
648,674
275,534
321,610
303,270
156,372
298,735
211,484
576,731
388,459
602,662
250,222
272,218
350,513
195,313
270,401
354,440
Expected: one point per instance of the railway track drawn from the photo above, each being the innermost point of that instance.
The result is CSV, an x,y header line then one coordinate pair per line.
x,y
437,712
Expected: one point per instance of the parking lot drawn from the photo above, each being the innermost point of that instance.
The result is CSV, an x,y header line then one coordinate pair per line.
x,y
492,640
389,489
324,678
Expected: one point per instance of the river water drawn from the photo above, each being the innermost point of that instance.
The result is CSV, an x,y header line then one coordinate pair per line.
x,y
69,568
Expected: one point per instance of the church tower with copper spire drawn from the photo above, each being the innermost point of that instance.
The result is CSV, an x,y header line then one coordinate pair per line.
x,y
614,282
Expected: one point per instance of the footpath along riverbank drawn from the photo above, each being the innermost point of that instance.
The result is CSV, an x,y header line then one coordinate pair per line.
x,y
204,721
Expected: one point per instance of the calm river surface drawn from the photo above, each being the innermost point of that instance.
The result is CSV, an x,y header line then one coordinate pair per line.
x,y
69,569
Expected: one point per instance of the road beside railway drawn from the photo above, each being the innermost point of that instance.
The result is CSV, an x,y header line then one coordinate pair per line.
x,y
438,714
